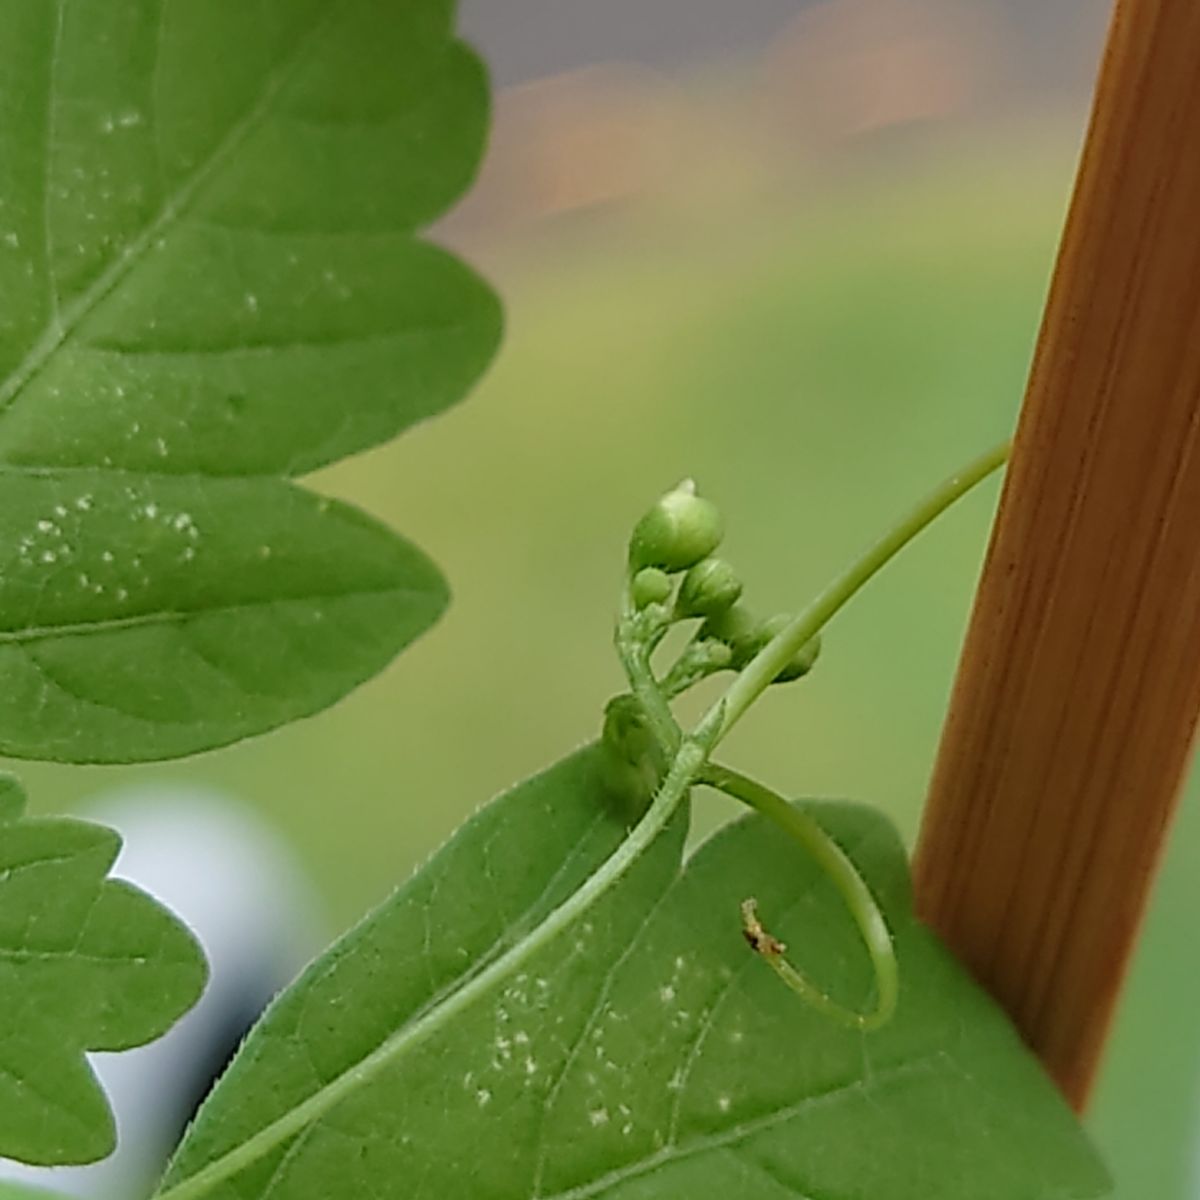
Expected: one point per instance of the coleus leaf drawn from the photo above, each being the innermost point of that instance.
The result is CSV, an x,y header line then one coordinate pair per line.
x,y
645,1052
210,284
86,963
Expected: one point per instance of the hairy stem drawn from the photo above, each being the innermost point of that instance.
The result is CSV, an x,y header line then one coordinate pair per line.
x,y
851,886
634,650
766,665
684,768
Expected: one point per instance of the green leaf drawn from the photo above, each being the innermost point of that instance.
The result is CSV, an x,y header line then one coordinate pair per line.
x,y
646,1052
86,963
20,1191
210,284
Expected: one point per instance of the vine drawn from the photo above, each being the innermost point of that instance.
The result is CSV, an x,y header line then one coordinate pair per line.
x,y
680,533
653,755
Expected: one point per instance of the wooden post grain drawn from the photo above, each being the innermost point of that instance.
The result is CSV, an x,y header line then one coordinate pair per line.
x,y
1077,696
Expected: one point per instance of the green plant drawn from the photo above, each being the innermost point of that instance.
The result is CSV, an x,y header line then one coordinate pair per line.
x,y
212,287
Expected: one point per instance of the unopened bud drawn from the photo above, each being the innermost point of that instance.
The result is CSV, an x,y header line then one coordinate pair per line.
x,y
679,531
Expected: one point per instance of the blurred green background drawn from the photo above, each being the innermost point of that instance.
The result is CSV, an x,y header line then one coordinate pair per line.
x,y
807,270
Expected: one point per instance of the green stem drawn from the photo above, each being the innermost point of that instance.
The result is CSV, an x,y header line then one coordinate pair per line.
x,y
681,776
762,670
851,886
634,650
697,661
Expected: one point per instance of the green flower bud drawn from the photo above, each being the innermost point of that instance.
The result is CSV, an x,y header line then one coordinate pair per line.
x,y
772,627
739,629
710,587
631,760
715,655
650,586
680,530
803,660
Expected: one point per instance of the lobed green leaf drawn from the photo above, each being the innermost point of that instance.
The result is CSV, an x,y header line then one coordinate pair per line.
x,y
645,1052
210,282
86,963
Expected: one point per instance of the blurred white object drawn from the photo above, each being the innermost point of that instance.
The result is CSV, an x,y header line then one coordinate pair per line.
x,y
231,879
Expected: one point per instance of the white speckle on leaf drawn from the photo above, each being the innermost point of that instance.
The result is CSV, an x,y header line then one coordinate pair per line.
x,y
84,503
483,1097
723,1103
666,993
598,1117
107,556
45,526
48,556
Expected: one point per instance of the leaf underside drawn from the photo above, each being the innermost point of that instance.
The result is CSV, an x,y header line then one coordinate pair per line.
x,y
646,1052
209,285
86,963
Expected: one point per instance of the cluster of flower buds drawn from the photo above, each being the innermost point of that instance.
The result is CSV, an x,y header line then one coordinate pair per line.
x,y
679,534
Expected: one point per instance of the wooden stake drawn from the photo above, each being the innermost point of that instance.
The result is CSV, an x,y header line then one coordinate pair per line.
x,y
1079,687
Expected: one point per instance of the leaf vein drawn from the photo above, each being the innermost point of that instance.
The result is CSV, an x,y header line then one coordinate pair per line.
x,y
175,207
671,1155
602,996
33,634
270,346
48,157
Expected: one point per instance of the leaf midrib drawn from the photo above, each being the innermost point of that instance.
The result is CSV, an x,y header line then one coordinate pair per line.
x,y
28,634
68,319
16,955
